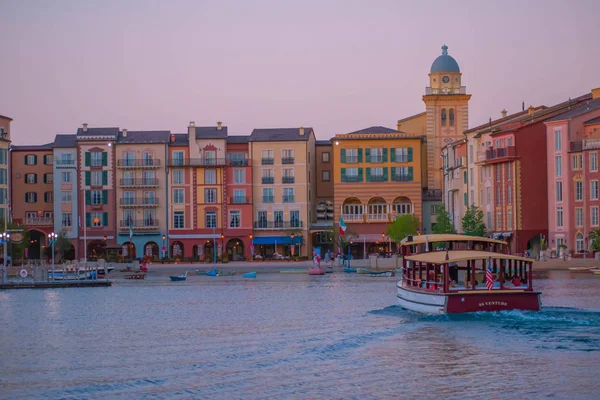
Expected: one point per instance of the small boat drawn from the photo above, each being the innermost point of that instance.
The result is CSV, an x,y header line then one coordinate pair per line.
x,y
214,272
580,269
198,272
349,270
362,271
249,275
179,278
316,271
594,270
224,272
381,273
135,276
293,271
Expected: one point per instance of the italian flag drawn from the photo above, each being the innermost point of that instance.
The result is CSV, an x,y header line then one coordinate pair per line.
x,y
342,226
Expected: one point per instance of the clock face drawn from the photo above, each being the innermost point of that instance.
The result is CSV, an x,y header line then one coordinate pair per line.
x,y
445,79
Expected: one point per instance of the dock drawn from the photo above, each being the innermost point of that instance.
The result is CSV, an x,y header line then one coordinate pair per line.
x,y
56,284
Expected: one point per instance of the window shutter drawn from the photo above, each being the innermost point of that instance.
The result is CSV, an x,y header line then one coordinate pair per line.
x,y
34,178
359,155
87,159
88,197
465,196
35,197
45,178
105,178
26,199
393,172
343,155
410,154
410,173
105,197
105,219
385,174
88,219
367,155
104,158
35,160
25,160
360,174
87,178
385,154
343,174
44,162
368,174
465,178
393,155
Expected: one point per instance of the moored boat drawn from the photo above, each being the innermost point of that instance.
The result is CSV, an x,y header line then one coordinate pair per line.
x,y
249,275
316,271
198,272
381,273
349,270
293,271
362,271
225,272
135,276
214,272
580,269
179,278
596,272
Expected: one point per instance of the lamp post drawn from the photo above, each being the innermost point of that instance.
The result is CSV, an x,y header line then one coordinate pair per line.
x,y
222,245
52,236
215,244
164,237
5,239
251,248
292,245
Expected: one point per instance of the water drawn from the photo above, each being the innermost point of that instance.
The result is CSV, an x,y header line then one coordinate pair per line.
x,y
292,336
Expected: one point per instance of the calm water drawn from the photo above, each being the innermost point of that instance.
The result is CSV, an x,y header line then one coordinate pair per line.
x,y
292,336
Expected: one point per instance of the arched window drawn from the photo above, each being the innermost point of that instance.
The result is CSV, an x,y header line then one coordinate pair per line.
x,y
443,117
452,117
579,243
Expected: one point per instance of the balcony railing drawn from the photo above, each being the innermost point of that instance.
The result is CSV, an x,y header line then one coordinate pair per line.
x,y
239,200
589,144
268,161
432,195
377,217
278,224
287,160
401,178
64,163
352,217
39,221
377,178
268,180
141,224
461,90
129,202
351,160
138,162
288,199
351,178
376,159
144,182
509,151
287,179
238,163
197,162
268,199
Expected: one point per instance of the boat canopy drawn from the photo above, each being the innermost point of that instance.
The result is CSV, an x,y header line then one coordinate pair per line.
x,y
433,238
439,257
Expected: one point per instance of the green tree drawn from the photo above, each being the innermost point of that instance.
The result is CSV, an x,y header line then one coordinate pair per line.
x,y
403,225
443,223
343,240
16,250
472,222
594,237
62,245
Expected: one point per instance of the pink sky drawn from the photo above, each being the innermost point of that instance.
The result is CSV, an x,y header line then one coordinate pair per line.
x,y
337,66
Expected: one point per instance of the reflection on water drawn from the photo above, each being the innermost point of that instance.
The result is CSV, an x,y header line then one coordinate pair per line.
x,y
283,336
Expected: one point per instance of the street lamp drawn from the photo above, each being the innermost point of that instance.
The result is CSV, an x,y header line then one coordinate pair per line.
x,y
52,236
5,238
292,246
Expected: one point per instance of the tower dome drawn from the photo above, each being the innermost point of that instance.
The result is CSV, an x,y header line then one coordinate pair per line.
x,y
444,63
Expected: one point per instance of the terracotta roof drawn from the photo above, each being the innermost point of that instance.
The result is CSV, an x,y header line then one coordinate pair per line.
x,y
592,121
280,135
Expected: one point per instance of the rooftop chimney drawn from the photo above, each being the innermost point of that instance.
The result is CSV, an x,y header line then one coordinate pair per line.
x,y
596,93
219,126
530,110
124,132
172,138
301,131
191,129
85,126
503,112
523,106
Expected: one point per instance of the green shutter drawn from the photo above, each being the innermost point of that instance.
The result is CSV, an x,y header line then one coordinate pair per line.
x,y
25,160
410,157
88,158
35,178
368,175
105,219
35,160
367,156
359,155
465,178
104,158
88,198
35,197
385,155
105,197
87,178
360,174
343,174
44,159
393,172
105,178
343,155
410,173
465,196
45,179
393,155
385,174
88,219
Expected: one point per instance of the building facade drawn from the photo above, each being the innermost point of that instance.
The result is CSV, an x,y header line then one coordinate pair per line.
x,y
4,167
66,189
454,157
321,232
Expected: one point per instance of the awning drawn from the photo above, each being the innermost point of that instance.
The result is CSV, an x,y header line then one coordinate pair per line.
x,y
258,240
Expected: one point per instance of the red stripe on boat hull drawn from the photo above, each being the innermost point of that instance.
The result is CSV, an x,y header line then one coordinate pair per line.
x,y
457,303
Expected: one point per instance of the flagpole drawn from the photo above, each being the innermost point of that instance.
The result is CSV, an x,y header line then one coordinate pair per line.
x,y
84,234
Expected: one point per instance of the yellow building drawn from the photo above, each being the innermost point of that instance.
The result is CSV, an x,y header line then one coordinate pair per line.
x,y
4,165
284,190
378,174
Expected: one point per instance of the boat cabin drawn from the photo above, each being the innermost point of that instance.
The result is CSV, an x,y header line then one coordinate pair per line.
x,y
437,242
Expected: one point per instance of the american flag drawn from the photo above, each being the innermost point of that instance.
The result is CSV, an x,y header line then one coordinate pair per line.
x,y
489,278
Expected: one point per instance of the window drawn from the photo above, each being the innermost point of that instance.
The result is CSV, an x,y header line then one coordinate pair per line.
x,y
178,196
30,159
559,216
148,158
150,218
509,194
376,155
3,176
239,196
96,219
574,158
210,195
471,153
443,117
325,157
96,178
268,195
128,158
178,177
594,215
48,178
288,175
451,117
559,194
489,220
509,216
65,176
508,142
150,198
30,197
287,156
288,195
351,155
96,158
239,176
295,218
179,220
238,159
400,155
267,157
30,178
578,190
66,159
508,172
262,219
472,179
325,176
128,198
210,176
579,243
49,197
488,195
178,158
435,208
579,216
278,218
66,197
577,161
498,195
498,173
594,162
472,196
67,220
376,174
558,165
3,157
211,219
96,197
234,219
557,141
594,190
499,220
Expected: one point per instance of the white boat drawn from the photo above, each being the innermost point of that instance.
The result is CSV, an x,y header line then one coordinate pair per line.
x,y
381,273
580,269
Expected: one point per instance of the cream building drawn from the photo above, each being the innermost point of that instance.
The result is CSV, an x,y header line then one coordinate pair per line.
x,y
4,165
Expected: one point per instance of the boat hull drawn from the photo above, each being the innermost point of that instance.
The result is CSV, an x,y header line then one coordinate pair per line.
x,y
464,302
250,275
362,271
177,278
381,274
135,276
293,271
349,270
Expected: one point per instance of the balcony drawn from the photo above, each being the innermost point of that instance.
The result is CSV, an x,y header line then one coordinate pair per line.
x,y
401,178
590,144
268,199
377,178
377,217
444,91
39,221
287,160
287,179
352,217
288,199
432,195
351,160
64,163
197,162
268,161
138,163
266,180
238,163
492,154
141,183
278,224
128,202
139,225
239,200
352,178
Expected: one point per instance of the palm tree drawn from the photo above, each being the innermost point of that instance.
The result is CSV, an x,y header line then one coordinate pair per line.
x,y
594,236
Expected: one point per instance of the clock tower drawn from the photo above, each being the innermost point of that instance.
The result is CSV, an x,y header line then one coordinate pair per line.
x,y
447,112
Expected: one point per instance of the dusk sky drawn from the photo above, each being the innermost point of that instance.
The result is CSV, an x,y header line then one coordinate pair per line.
x,y
337,66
